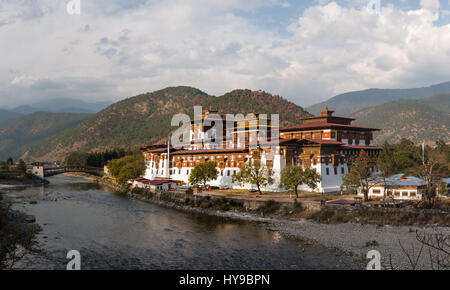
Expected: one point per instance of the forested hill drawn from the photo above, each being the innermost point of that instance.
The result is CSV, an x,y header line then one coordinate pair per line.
x,y
146,119
352,102
22,134
424,120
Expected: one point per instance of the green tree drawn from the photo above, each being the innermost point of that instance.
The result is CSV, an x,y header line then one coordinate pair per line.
x,y
203,172
127,168
22,167
294,176
10,161
77,159
255,174
360,174
386,164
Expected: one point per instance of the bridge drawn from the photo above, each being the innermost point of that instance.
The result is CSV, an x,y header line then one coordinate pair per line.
x,y
43,172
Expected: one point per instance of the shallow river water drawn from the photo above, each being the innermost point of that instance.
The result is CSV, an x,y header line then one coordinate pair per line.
x,y
114,232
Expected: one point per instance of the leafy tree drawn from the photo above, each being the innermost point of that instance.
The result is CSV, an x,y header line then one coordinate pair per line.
x,y
9,161
22,167
76,159
360,174
203,172
294,176
127,168
386,164
255,174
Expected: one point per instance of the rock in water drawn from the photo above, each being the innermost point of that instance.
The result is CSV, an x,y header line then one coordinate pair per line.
x,y
30,219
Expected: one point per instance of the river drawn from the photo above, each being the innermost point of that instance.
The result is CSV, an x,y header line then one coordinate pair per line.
x,y
114,232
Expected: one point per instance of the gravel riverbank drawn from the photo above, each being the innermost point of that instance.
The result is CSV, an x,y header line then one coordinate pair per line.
x,y
348,239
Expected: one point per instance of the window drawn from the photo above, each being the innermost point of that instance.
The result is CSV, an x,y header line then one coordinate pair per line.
x,y
328,171
412,194
376,191
228,172
404,193
335,170
343,170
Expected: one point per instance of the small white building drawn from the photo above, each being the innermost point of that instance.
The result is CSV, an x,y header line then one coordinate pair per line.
x,y
397,187
157,184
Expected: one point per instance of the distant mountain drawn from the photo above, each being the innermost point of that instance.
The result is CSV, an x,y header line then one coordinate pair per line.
x,y
145,119
62,105
7,116
349,103
24,110
22,134
423,120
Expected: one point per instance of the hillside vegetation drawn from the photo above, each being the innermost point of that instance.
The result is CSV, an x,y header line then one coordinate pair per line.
x,y
146,119
7,117
20,136
352,102
424,120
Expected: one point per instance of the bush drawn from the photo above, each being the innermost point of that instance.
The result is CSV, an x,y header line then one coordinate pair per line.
x,y
270,206
127,168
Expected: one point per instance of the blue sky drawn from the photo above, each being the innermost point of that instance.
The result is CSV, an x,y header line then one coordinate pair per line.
x,y
305,51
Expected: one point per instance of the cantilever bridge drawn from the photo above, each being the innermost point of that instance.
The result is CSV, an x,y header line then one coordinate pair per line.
x,y
47,172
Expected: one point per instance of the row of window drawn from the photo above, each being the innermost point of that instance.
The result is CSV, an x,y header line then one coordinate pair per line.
x,y
188,171
335,170
396,193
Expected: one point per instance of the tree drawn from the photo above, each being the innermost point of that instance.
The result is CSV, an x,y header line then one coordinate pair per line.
x,y
10,161
386,164
430,172
255,174
127,168
77,159
360,174
22,167
294,176
203,172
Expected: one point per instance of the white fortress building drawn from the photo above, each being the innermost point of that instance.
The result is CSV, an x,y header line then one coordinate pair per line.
x,y
326,143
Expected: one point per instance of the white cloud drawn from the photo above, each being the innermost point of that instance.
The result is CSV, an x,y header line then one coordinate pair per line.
x,y
109,52
432,5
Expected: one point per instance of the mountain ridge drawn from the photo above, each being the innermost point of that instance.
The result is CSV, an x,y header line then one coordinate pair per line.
x,y
419,120
351,102
145,119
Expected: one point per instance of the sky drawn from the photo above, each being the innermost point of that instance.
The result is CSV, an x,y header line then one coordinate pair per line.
x,y
305,51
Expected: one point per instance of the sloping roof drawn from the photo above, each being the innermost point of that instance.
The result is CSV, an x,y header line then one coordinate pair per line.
x,y
361,147
325,125
446,180
211,151
323,141
401,180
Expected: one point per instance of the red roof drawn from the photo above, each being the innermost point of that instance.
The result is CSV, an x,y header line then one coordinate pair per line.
x,y
325,125
211,151
324,141
320,117
361,147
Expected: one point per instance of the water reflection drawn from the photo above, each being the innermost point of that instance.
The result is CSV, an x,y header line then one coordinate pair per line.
x,y
114,232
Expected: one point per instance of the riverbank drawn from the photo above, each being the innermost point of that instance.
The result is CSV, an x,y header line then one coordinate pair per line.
x,y
350,236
